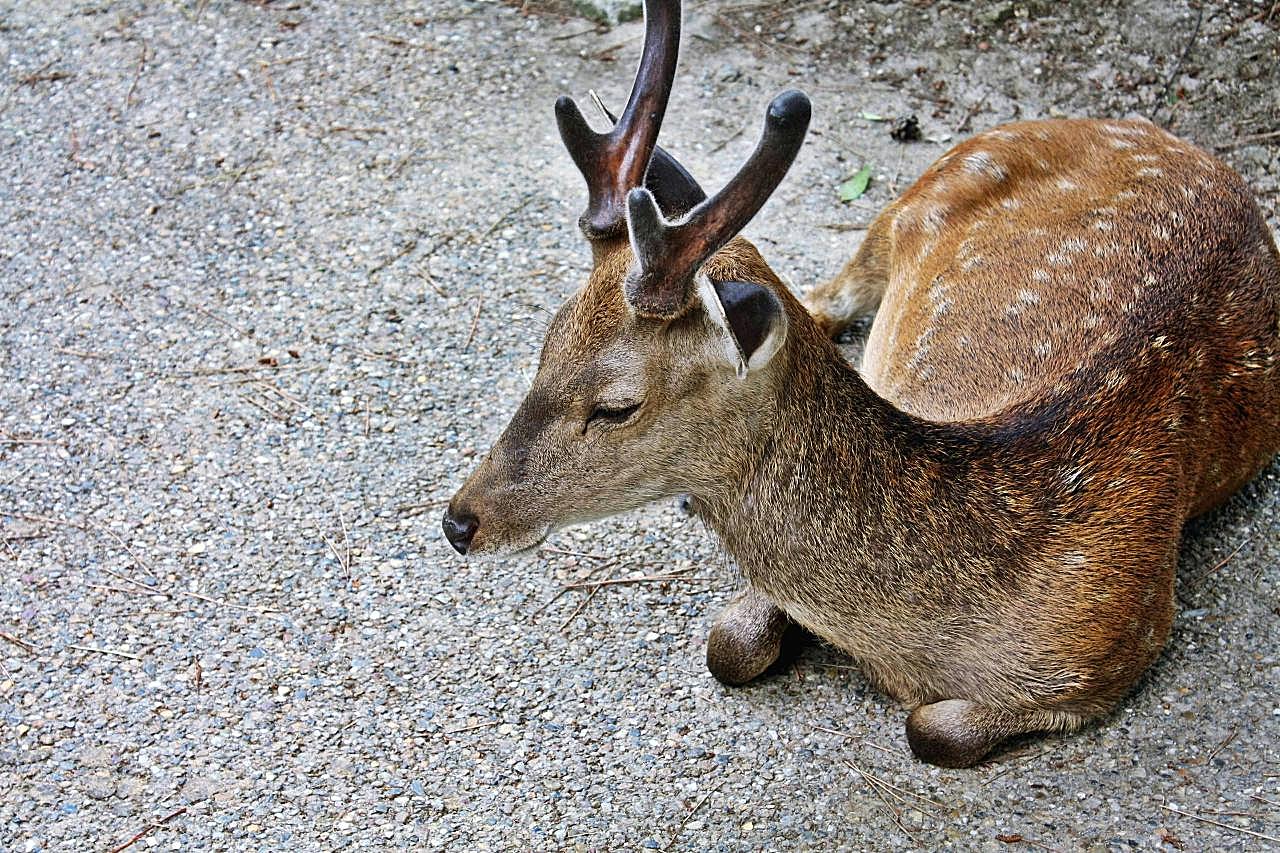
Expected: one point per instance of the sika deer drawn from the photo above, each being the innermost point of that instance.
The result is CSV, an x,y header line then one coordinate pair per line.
x,y
1075,351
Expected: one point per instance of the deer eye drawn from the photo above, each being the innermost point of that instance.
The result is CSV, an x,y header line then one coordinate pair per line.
x,y
612,414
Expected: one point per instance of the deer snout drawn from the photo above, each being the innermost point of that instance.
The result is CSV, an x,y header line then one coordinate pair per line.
x,y
459,528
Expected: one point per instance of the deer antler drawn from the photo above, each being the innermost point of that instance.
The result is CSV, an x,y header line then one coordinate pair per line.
x,y
669,254
626,157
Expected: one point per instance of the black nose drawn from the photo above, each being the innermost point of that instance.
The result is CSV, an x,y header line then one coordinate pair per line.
x,y
460,530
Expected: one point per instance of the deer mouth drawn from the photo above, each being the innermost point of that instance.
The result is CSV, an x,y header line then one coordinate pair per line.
x,y
507,543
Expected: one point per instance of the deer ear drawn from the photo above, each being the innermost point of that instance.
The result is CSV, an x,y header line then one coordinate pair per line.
x,y
754,318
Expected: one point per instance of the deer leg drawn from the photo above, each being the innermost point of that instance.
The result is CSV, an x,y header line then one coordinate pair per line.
x,y
746,638
858,287
960,733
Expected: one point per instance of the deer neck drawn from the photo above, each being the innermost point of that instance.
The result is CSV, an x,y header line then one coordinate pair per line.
x,y
841,479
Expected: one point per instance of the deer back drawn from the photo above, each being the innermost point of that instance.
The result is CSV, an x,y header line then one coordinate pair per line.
x,y
1102,269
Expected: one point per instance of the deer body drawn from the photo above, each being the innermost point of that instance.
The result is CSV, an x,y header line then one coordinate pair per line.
x,y
1088,315
1075,350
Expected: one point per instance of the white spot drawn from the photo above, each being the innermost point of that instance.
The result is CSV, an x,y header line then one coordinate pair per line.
x,y
981,163
971,263
1121,144
1043,349
1160,232
1149,172
1011,203
1040,275
1147,158
1074,477
933,218
1028,297
1115,128
1067,185
926,246
1103,226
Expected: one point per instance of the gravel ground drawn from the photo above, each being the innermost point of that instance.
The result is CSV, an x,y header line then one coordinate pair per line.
x,y
275,273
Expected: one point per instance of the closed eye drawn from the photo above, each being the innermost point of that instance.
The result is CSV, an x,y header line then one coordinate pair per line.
x,y
603,414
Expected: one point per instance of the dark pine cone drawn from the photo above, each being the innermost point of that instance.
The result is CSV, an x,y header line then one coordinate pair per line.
x,y
905,129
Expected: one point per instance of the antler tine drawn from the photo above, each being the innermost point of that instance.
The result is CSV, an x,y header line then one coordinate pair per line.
x,y
669,254
617,161
676,191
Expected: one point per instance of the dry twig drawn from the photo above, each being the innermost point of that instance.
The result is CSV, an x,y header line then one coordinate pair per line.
x,y
623,581
1222,825
486,724
98,651
873,783
150,828
1227,559
689,815
19,642
581,606
142,64
475,319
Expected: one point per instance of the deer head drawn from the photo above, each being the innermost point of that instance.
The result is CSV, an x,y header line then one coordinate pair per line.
x,y
657,372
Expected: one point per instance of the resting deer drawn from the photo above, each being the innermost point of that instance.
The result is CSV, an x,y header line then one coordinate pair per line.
x,y
1074,351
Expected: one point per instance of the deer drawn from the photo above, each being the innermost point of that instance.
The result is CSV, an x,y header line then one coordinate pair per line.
x,y
1074,351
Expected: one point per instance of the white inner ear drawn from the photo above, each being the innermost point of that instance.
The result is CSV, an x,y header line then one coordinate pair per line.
x,y
728,343
771,344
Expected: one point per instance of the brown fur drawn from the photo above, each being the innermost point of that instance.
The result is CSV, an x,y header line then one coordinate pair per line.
x,y
988,517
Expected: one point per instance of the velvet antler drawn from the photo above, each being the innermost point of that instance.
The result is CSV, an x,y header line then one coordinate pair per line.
x,y
669,254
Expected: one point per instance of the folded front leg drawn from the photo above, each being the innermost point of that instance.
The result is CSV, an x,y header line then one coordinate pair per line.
x,y
960,733
746,638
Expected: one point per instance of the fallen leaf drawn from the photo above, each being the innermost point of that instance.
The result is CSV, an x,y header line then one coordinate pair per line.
x,y
1009,839
855,186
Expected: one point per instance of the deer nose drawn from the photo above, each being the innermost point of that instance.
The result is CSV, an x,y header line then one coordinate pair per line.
x,y
460,529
